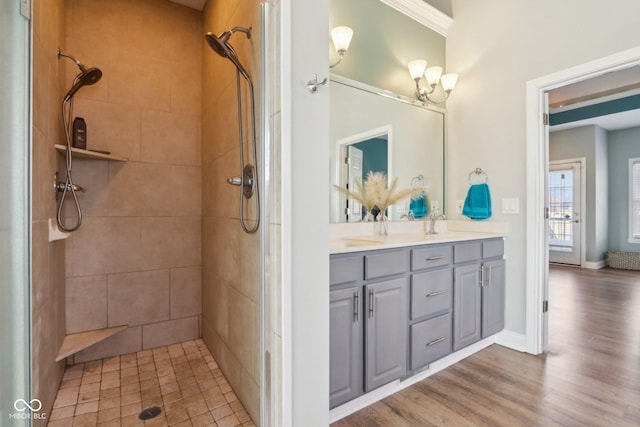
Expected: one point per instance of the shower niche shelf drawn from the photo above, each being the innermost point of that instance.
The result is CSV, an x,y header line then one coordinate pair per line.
x,y
74,343
79,153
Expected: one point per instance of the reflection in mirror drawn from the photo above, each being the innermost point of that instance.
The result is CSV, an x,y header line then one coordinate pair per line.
x,y
362,153
363,117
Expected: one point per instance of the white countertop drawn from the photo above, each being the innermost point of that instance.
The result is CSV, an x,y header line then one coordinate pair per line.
x,y
356,243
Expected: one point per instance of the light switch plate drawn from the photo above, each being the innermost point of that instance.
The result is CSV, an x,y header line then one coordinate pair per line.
x,y
511,206
434,205
459,206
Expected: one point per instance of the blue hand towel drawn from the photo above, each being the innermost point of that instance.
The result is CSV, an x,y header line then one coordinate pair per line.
x,y
419,206
477,205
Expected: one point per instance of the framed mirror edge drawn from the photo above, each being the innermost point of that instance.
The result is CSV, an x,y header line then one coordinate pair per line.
x,y
384,92
334,78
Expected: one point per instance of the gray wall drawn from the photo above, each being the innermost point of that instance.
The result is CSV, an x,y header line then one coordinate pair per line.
x,y
384,41
623,145
589,142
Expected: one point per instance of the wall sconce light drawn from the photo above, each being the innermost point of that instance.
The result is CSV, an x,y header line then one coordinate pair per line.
x,y
418,68
341,37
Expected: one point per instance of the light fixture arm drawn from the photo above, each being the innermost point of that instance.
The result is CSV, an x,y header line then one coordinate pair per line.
x,y
341,53
423,93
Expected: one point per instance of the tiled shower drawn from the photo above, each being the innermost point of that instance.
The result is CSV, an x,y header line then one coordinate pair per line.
x,y
160,248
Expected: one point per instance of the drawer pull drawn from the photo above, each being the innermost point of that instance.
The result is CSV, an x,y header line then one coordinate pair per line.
x,y
356,311
434,258
434,342
433,294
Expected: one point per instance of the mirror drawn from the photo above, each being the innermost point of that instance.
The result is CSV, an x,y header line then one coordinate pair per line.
x,y
365,124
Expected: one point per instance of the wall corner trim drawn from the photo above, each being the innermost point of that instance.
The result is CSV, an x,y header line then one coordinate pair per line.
x,y
423,13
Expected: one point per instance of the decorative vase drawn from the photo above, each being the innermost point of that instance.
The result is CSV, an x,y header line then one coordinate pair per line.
x,y
381,225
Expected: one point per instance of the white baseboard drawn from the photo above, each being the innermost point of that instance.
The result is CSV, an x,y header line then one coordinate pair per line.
x,y
387,390
597,265
512,340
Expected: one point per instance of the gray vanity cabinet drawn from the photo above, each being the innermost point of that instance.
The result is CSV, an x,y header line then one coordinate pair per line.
x,y
346,340
467,303
368,322
479,284
385,332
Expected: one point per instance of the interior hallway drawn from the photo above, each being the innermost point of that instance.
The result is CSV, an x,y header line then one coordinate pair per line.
x,y
590,375
182,379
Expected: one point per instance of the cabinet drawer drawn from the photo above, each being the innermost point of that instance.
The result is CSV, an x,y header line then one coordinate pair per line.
x,y
464,252
430,340
431,293
344,270
493,248
385,263
432,256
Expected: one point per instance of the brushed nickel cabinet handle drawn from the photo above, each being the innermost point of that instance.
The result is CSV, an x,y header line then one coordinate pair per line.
x,y
371,303
482,276
434,258
436,341
433,294
356,311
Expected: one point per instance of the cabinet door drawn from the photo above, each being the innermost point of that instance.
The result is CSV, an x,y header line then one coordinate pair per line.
x,y
345,345
467,303
493,298
386,332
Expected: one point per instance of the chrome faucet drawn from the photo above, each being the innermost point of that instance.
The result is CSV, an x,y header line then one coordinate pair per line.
x,y
433,218
409,216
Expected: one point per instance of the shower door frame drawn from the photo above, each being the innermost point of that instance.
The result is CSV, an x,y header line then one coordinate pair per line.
x,y
15,212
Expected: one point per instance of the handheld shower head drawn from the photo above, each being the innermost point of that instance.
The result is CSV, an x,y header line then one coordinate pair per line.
x,y
86,77
220,45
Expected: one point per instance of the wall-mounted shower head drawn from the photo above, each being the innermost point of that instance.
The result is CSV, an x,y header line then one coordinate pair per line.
x,y
220,44
86,77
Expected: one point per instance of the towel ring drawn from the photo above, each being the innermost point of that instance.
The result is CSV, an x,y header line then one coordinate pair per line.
x,y
419,180
478,172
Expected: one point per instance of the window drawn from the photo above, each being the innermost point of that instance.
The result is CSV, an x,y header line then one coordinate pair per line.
x,y
634,200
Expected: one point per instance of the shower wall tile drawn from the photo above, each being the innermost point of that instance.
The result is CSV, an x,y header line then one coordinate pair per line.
x,y
127,341
225,234
138,79
186,189
170,138
243,338
226,197
94,178
169,242
250,267
113,127
138,298
139,189
86,302
106,245
186,90
41,292
170,332
186,292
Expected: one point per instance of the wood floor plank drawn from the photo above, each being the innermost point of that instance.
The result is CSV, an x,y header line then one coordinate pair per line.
x,y
590,375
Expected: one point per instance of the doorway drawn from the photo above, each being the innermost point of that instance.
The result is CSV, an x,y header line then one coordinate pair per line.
x,y
565,212
537,270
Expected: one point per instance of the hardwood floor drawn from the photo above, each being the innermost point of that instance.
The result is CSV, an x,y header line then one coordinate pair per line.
x,y
589,377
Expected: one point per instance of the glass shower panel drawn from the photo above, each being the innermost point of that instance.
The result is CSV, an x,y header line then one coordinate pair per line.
x,y
14,217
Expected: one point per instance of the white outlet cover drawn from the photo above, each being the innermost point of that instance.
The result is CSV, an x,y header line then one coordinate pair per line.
x,y
459,206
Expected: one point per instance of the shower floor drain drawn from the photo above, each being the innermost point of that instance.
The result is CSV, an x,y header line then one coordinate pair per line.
x,y
149,413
